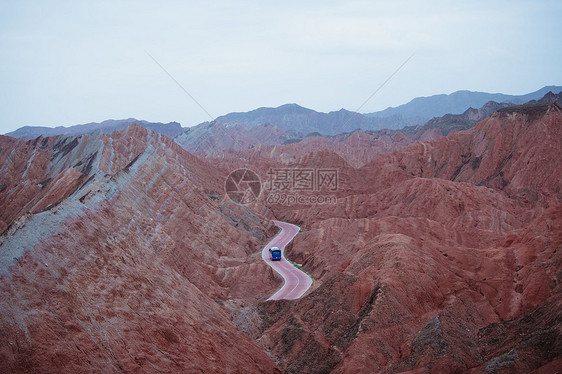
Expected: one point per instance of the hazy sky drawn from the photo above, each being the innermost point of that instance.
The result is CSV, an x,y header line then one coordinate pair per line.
x,y
71,62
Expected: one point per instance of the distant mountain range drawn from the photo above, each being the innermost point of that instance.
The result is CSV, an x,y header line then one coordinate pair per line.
x,y
243,131
457,103
298,121
294,121
171,129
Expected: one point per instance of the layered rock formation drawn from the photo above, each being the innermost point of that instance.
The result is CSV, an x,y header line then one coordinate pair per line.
x,y
117,256
438,262
209,139
214,140
450,123
119,252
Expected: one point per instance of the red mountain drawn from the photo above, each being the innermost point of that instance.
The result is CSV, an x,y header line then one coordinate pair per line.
x,y
117,257
121,252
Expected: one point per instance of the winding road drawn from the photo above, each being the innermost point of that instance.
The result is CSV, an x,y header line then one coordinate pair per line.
x,y
297,282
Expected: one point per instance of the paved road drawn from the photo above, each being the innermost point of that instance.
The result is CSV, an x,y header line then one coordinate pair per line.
x,y
297,282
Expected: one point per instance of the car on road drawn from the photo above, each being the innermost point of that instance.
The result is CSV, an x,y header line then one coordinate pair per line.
x,y
275,254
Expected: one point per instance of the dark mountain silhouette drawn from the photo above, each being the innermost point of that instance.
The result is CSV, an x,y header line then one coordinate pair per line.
x,y
550,98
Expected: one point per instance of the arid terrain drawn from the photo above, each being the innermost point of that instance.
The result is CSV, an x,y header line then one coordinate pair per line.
x,y
441,250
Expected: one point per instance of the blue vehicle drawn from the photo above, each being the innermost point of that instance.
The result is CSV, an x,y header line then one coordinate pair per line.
x,y
275,254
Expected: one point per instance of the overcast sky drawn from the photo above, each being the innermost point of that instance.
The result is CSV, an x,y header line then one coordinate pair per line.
x,y
72,62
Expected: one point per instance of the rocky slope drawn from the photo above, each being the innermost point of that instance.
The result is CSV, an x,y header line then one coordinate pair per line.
x,y
119,253
117,256
450,123
501,152
357,148
435,263
212,140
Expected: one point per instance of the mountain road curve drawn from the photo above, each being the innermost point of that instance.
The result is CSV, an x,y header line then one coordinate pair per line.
x,y
296,282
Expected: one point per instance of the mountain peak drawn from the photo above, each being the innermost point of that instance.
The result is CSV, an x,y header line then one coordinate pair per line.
x,y
293,106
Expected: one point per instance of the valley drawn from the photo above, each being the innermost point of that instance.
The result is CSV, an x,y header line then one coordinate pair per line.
x,y
440,251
